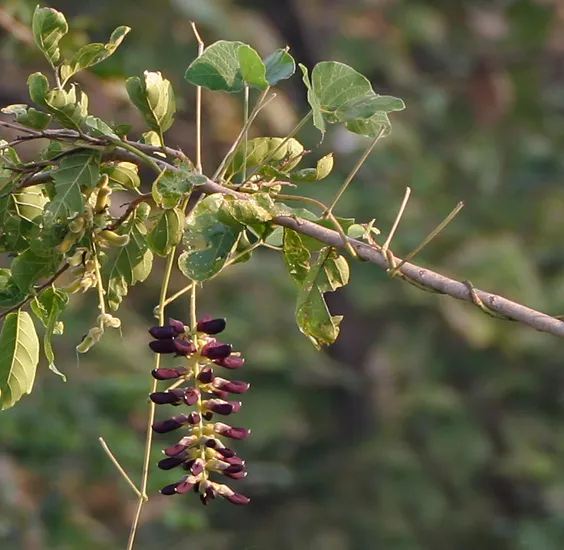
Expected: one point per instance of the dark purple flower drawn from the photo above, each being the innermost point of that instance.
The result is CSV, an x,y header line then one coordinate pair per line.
x,y
176,449
211,326
168,373
170,397
197,467
228,431
226,452
170,424
177,346
206,375
216,350
169,489
186,485
231,362
191,396
207,492
235,475
207,415
172,461
177,325
231,386
231,469
163,333
219,393
222,407
194,418
237,498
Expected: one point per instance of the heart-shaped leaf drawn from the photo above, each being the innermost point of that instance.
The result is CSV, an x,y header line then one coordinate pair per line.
x,y
280,65
19,355
165,231
252,68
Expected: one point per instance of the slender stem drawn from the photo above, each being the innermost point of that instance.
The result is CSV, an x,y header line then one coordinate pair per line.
x,y
246,137
386,244
138,153
118,466
177,295
294,131
262,102
198,104
99,286
355,170
152,407
429,237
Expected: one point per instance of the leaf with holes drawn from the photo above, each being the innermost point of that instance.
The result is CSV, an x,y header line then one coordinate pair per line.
x,y
80,170
19,355
208,239
48,27
28,116
296,256
328,273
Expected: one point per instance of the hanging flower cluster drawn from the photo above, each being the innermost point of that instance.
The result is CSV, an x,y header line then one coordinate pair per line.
x,y
201,452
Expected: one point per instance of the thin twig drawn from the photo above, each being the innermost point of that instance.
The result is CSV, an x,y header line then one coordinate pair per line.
x,y
38,290
118,466
386,244
130,208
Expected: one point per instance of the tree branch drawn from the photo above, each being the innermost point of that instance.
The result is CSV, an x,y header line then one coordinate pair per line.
x,y
421,276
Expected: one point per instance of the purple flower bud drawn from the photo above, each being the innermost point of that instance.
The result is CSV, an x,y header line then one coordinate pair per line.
x,y
231,362
234,460
219,393
197,467
211,326
169,489
172,461
170,424
168,373
233,433
216,350
231,386
231,469
191,396
170,397
185,486
194,418
206,375
163,333
222,407
173,450
226,452
178,346
177,325
207,415
237,498
235,475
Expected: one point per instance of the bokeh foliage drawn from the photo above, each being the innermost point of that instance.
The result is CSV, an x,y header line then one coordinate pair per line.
x,y
427,425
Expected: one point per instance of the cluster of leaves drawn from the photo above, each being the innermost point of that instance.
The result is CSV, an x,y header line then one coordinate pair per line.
x,y
56,217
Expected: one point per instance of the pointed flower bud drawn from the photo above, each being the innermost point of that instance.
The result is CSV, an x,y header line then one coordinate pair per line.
x,y
206,375
216,350
170,424
163,333
231,386
211,326
178,346
231,362
222,407
168,373
170,397
177,325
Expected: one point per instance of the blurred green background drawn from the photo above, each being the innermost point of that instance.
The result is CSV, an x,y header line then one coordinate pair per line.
x,y
428,425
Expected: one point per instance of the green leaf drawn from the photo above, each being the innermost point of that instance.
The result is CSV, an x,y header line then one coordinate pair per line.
x,y
30,267
19,355
338,93
252,68
174,185
322,170
82,169
261,149
313,101
133,263
10,293
165,231
28,116
296,256
29,203
218,68
208,240
92,54
249,211
124,174
328,273
371,127
68,109
48,27
38,88
280,65
48,307
99,128
154,97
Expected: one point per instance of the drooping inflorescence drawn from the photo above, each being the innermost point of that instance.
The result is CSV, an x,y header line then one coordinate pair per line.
x,y
201,451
